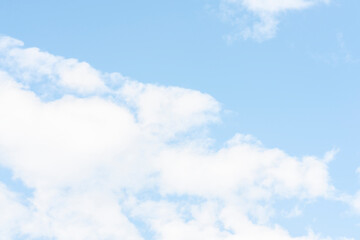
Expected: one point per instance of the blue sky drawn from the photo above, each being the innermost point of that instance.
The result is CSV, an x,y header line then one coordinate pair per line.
x,y
293,87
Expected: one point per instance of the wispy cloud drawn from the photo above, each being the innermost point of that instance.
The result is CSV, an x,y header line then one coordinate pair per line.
x,y
258,19
340,55
107,155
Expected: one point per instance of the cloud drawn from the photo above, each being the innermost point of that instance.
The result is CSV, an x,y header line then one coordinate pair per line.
x,y
352,200
185,108
13,213
342,55
31,65
108,157
258,19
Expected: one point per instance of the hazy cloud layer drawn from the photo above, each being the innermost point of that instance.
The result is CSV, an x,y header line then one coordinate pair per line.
x,y
112,158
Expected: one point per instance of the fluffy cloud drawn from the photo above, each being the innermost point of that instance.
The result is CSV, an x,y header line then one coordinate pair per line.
x,y
352,200
13,213
258,19
111,158
31,65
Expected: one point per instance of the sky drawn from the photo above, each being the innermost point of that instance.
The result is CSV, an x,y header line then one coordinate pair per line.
x,y
174,120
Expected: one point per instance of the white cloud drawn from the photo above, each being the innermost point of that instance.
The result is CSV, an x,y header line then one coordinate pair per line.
x,y
169,110
353,201
31,65
258,19
99,161
242,166
13,213
294,212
